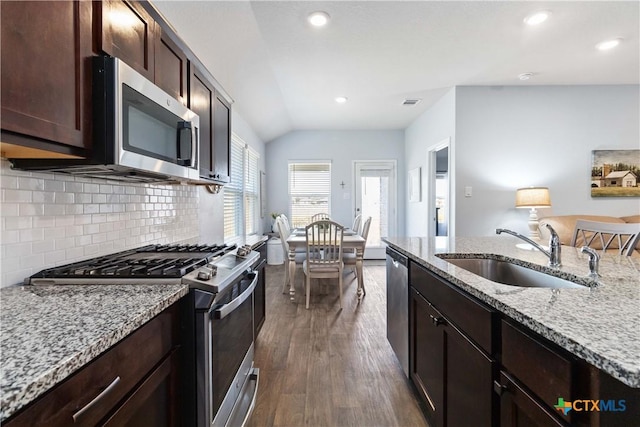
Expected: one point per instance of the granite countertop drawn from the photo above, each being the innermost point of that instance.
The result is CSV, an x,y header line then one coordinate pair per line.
x,y
600,325
48,332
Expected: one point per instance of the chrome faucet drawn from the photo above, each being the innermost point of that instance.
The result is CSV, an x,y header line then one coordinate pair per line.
x,y
594,260
554,244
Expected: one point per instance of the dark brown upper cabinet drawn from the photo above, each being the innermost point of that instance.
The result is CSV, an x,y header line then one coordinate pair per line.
x,y
46,76
171,67
128,32
215,126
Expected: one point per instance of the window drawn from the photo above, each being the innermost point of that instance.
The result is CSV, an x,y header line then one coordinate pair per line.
x,y
309,191
241,194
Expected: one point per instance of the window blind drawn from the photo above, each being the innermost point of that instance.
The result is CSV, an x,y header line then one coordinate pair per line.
x,y
251,192
233,209
309,190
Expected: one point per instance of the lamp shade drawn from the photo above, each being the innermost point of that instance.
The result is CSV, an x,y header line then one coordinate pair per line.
x,y
533,197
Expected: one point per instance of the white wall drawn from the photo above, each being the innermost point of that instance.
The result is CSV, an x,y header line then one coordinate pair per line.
x,y
511,137
341,148
429,129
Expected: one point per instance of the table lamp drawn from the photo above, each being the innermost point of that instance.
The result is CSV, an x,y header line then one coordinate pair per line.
x,y
533,197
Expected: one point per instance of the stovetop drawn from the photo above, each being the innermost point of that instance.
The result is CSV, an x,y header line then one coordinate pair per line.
x,y
149,262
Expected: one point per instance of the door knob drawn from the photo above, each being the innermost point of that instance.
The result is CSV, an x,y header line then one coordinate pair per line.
x,y
437,321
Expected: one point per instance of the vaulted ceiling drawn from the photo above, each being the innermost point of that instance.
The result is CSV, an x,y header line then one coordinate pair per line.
x,y
284,74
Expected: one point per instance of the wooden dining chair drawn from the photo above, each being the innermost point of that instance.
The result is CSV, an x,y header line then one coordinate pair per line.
x,y
350,257
356,224
320,216
300,254
324,253
606,235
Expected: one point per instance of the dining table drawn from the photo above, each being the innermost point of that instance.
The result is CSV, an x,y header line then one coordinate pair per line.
x,y
350,239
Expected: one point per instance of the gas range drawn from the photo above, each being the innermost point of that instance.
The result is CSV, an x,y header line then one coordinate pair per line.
x,y
206,267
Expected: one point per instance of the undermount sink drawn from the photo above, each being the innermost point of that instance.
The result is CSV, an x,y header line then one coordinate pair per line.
x,y
508,273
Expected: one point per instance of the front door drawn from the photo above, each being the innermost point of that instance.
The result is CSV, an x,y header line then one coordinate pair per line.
x,y
375,197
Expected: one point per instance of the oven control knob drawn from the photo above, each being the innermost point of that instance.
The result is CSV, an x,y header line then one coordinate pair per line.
x,y
204,275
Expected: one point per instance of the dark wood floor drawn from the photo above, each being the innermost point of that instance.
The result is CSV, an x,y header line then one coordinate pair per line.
x,y
330,367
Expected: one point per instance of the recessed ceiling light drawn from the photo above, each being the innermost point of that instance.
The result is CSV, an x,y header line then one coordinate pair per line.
x,y
341,99
537,18
608,44
525,76
318,19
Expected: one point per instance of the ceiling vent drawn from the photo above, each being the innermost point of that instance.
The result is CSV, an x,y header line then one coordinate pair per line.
x,y
411,101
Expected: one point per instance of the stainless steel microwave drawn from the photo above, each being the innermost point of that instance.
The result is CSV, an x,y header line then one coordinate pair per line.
x,y
140,133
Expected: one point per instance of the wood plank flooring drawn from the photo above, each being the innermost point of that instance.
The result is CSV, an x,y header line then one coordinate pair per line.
x,y
330,367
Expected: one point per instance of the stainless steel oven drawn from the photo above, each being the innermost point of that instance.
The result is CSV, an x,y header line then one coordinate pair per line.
x,y
224,353
220,382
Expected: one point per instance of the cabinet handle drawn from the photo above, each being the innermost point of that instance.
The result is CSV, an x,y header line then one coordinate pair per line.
x,y
437,321
96,399
499,389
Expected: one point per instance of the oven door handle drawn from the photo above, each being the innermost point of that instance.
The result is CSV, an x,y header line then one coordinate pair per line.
x,y
223,311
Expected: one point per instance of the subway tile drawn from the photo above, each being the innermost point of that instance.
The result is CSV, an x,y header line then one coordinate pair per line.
x,y
43,197
53,209
74,187
53,186
9,209
65,243
42,246
91,209
56,257
64,198
18,196
98,198
30,183
18,223
74,209
31,234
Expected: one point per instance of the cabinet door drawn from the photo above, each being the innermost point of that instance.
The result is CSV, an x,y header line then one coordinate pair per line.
x,y
453,376
155,402
46,72
128,33
221,138
519,409
201,102
469,398
426,360
171,67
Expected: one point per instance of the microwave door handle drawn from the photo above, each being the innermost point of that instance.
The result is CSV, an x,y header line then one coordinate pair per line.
x,y
194,146
182,125
225,310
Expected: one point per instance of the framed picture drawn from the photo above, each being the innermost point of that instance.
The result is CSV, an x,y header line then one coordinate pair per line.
x,y
615,173
414,185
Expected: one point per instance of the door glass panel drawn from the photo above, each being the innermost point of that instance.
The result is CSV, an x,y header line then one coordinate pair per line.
x,y
375,198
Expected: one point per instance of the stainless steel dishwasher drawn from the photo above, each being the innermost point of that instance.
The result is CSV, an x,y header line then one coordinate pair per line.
x,y
398,306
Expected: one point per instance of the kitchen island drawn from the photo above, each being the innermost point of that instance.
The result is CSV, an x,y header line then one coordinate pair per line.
x,y
592,329
49,332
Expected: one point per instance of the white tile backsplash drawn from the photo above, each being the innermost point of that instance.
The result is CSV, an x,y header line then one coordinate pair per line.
x,y
54,219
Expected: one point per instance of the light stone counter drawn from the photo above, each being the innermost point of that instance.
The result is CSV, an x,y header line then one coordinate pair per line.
x,y
600,325
49,332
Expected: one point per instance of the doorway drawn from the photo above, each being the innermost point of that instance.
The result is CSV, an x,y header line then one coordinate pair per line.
x,y
375,197
439,160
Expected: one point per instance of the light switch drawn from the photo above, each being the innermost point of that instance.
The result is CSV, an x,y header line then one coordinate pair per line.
x,y
346,196
468,191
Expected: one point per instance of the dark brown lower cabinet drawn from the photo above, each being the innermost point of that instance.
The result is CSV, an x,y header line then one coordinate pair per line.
x,y
452,375
134,383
